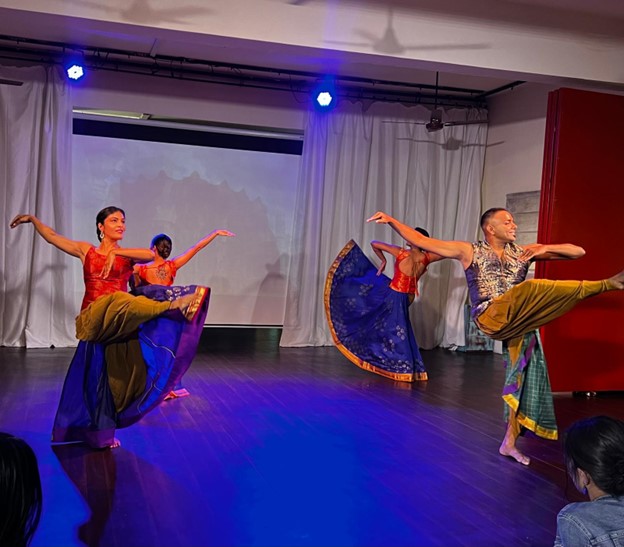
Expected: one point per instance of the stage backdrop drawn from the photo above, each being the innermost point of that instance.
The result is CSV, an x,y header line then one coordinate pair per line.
x,y
582,204
187,183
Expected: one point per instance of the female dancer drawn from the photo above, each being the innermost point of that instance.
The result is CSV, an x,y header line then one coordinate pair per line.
x,y
594,456
368,313
149,279
162,271
131,350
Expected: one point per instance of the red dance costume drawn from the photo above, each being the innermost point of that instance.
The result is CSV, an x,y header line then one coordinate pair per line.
x,y
95,285
132,352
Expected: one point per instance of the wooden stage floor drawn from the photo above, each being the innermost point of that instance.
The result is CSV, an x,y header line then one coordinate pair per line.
x,y
297,446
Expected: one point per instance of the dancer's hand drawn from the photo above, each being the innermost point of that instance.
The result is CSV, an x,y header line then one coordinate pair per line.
x,y
533,251
382,267
108,264
380,218
20,219
225,233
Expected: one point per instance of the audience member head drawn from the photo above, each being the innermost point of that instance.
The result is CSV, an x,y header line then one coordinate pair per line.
x,y
594,455
20,492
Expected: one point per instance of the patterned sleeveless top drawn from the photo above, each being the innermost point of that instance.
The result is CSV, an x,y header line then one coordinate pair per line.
x,y
95,285
489,276
402,282
164,274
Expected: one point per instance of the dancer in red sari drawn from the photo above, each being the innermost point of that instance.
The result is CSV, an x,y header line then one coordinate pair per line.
x,y
131,350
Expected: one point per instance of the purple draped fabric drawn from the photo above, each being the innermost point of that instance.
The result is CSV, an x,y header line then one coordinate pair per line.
x,y
86,411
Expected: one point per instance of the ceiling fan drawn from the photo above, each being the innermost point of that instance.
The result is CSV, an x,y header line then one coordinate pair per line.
x,y
387,42
435,122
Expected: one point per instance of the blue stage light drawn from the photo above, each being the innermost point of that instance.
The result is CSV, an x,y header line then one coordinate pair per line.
x,y
75,71
324,98
324,95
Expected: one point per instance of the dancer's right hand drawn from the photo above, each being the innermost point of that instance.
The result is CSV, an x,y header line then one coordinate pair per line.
x,y
108,264
20,219
381,218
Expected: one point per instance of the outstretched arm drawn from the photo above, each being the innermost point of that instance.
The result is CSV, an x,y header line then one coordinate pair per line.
x,y
182,259
379,247
459,250
136,255
561,251
434,257
78,249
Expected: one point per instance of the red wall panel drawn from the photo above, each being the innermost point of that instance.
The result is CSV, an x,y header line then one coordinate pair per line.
x,y
583,203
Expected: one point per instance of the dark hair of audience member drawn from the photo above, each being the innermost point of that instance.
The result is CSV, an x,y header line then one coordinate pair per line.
x,y
20,492
596,445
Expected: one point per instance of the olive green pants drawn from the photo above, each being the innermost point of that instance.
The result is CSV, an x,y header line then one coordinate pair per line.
x,y
521,310
113,320
533,303
116,316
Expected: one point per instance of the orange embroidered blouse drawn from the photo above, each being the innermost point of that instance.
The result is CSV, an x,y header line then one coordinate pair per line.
x,y
164,274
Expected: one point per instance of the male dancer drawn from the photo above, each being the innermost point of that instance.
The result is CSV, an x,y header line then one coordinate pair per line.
x,y
508,308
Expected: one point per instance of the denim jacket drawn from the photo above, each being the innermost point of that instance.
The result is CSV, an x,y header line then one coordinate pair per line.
x,y
595,523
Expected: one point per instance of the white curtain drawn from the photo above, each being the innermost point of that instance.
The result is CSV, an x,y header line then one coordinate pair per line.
x,y
356,161
37,310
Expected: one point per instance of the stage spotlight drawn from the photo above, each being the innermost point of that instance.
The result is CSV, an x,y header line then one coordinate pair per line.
x,y
324,98
324,95
74,70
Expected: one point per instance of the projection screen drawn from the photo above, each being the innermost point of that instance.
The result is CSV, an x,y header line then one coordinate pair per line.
x,y
186,183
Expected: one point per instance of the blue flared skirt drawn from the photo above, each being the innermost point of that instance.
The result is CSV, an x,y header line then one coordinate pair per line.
x,y
168,343
368,320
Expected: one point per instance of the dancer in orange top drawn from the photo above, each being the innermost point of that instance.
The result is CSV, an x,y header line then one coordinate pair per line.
x,y
368,313
118,374
162,271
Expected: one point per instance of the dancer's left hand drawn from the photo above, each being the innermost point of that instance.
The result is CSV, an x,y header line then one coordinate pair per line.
x,y
225,233
533,251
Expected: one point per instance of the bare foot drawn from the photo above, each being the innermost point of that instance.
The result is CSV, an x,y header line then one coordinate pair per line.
x,y
189,304
617,281
193,308
183,302
116,443
513,452
177,393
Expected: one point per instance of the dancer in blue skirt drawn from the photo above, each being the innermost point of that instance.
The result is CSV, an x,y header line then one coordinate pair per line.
x,y
368,312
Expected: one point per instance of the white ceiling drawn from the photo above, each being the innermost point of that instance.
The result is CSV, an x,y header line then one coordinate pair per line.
x,y
385,59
